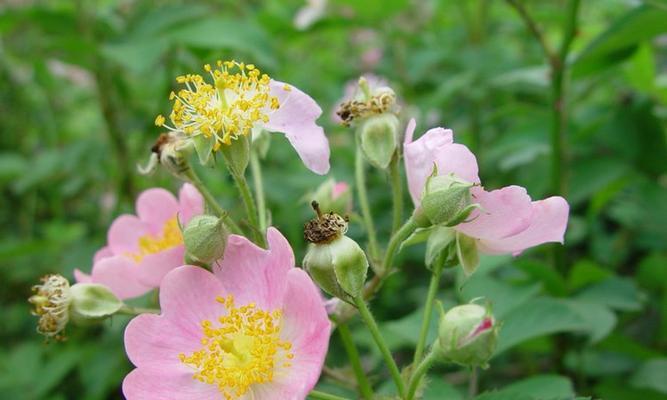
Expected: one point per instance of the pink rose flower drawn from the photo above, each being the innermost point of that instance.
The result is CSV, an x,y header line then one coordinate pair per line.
x,y
509,221
142,248
255,328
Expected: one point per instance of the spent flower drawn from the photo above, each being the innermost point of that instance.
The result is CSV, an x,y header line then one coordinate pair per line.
x,y
254,328
336,262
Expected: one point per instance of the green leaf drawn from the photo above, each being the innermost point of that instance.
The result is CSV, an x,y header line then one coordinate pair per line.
x,y
503,297
619,40
542,386
545,316
585,272
651,375
618,293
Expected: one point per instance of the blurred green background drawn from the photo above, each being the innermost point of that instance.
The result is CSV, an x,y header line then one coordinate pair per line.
x,y
81,83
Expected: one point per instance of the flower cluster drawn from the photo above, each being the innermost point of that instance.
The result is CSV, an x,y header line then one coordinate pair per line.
x,y
237,319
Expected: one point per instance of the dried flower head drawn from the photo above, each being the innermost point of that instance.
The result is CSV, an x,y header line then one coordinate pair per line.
x,y
378,103
52,299
325,228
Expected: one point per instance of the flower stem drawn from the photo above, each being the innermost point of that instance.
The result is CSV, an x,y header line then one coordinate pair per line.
x,y
397,193
428,312
382,346
360,178
250,208
191,176
353,355
129,310
394,244
418,373
256,170
315,394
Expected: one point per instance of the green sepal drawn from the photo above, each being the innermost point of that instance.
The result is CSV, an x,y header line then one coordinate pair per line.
x,y
467,253
204,149
237,155
92,301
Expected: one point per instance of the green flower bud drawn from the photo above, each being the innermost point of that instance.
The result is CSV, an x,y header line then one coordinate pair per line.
x,y
379,138
467,335
334,261
446,200
205,238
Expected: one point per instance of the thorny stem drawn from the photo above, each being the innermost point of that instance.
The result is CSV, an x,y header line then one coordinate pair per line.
x,y
256,170
360,180
428,312
315,394
418,373
397,193
353,355
368,319
191,176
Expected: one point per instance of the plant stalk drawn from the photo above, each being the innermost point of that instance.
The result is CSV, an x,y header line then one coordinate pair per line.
x,y
352,353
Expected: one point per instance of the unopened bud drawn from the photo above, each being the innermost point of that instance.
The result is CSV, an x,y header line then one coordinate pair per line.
x,y
334,261
205,238
467,335
379,138
446,200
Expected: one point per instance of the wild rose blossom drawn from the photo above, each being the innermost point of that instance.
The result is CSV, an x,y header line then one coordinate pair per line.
x,y
508,221
241,99
255,328
142,248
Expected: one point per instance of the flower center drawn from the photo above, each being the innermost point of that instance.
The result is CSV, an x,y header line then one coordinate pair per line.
x,y
150,244
238,99
243,349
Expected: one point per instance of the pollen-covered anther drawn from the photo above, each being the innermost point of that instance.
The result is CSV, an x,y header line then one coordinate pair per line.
x,y
170,237
51,302
238,99
355,109
239,349
325,228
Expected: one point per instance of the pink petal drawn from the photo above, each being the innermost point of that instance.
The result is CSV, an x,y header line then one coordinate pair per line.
x,y
435,147
81,277
153,267
191,203
188,297
339,188
296,119
153,339
124,234
155,206
505,212
307,327
157,382
253,274
548,225
119,274
104,252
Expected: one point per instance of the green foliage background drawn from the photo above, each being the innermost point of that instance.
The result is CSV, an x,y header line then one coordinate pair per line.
x,y
81,82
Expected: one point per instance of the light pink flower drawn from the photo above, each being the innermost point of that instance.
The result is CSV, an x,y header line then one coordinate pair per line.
x,y
296,118
142,248
255,328
508,221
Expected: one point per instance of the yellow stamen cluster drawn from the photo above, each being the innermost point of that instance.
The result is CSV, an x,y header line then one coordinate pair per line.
x,y
238,99
51,300
170,236
244,348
